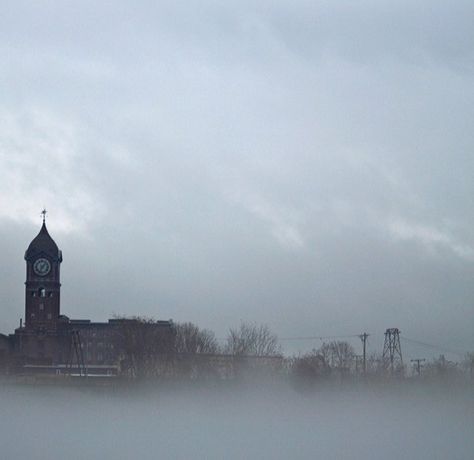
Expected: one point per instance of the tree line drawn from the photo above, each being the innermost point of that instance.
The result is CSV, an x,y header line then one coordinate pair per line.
x,y
188,352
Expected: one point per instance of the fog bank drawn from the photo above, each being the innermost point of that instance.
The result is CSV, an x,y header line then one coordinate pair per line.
x,y
54,423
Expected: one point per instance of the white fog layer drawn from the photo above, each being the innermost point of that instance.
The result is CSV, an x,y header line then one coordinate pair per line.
x,y
372,423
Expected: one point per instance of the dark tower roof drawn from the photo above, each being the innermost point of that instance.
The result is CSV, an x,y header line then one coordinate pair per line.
x,y
43,244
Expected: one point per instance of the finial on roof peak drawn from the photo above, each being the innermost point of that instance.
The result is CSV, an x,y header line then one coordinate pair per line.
x,y
44,212
43,244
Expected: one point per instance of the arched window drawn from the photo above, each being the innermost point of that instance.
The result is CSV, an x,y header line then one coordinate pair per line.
x,y
42,292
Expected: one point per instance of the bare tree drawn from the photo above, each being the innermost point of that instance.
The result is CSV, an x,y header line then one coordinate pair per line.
x,y
441,368
196,352
325,351
339,355
190,339
342,354
310,368
252,340
145,345
375,365
468,364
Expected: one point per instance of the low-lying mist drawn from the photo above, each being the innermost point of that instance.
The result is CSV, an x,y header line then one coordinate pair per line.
x,y
258,421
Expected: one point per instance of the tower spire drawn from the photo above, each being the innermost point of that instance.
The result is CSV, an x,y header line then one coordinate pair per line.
x,y
44,212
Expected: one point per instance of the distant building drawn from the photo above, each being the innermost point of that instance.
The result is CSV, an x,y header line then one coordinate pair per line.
x,y
49,342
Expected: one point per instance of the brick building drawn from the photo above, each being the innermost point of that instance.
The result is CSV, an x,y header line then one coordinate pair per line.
x,y
50,342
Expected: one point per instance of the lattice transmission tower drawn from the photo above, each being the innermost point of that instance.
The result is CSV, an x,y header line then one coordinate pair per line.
x,y
392,351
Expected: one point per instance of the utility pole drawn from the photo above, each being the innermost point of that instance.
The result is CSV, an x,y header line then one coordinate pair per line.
x,y
363,337
392,350
358,359
418,365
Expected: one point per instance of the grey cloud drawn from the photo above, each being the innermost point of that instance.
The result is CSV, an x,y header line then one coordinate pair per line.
x,y
307,165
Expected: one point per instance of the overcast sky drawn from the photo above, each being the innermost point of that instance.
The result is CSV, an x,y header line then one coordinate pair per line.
x,y
307,164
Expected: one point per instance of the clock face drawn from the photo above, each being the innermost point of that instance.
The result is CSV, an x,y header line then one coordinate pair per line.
x,y
41,267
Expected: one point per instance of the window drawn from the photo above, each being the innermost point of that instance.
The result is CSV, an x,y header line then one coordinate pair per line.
x,y
42,292
32,315
41,306
50,294
49,316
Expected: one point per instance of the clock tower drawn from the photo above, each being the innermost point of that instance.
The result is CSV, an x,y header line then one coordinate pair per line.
x,y
42,287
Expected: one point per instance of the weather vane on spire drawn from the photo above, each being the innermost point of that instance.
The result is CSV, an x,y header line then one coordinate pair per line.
x,y
44,212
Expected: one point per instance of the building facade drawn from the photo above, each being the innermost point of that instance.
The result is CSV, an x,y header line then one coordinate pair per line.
x,y
48,341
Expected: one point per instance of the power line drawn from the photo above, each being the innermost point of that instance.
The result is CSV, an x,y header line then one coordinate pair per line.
x,y
320,337
312,337
436,347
